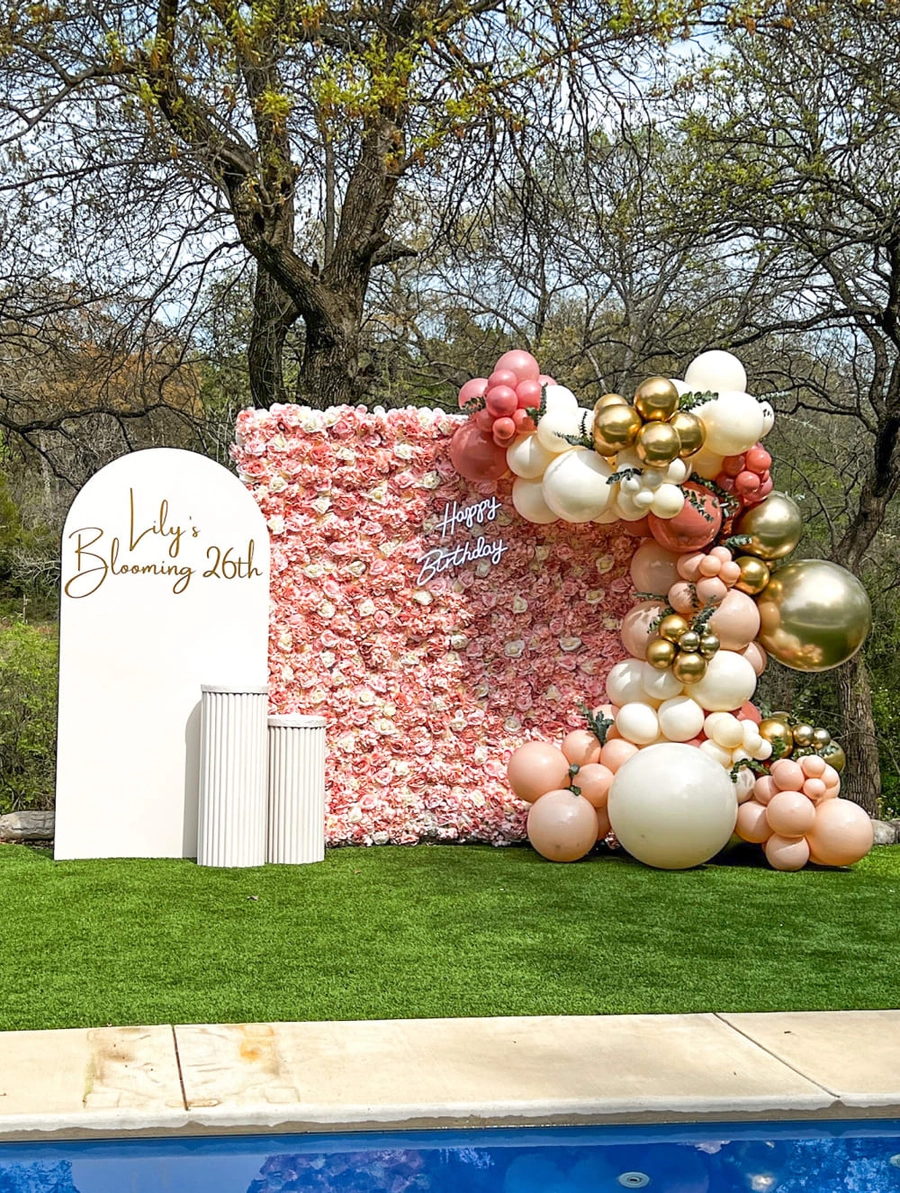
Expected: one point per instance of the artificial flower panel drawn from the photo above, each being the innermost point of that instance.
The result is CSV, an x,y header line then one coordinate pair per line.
x,y
433,646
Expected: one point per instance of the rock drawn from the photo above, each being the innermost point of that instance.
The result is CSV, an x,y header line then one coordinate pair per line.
x,y
885,832
26,826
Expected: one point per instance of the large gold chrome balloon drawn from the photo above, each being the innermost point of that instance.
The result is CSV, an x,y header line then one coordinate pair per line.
x,y
774,526
754,575
814,615
672,626
689,667
778,734
656,399
691,432
609,400
615,427
657,444
661,653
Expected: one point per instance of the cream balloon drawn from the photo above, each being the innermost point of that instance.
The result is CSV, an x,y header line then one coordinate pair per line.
x,y
553,428
680,718
575,487
706,464
668,500
628,511
637,723
718,754
526,457
672,807
715,370
558,397
624,682
660,686
733,422
725,730
528,499
768,413
744,784
728,683
677,472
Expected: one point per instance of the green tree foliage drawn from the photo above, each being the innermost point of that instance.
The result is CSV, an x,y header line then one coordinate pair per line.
x,y
28,665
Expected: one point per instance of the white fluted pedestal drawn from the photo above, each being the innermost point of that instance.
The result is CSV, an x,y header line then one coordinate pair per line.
x,y
296,789
233,773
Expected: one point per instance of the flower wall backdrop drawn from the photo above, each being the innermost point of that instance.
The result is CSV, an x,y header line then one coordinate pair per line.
x,y
428,685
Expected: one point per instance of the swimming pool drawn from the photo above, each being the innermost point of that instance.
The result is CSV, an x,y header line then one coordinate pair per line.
x,y
811,1157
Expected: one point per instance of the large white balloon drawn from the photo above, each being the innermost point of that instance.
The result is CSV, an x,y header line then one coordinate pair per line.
x,y
558,397
729,682
672,807
554,426
623,684
575,485
716,370
526,457
733,421
528,498
661,685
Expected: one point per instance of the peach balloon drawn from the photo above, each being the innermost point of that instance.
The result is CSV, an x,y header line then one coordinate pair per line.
x,y
786,853
581,747
536,768
830,776
683,598
764,788
842,833
711,590
814,789
831,792
603,825
756,657
688,566
653,568
787,775
736,621
813,766
730,573
617,752
593,781
790,814
635,631
752,824
562,826
709,565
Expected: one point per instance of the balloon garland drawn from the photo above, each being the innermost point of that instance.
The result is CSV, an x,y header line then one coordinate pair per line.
x,y
679,759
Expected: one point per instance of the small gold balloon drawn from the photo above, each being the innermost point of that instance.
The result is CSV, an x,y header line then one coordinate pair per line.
x,y
656,399
803,734
690,641
777,732
672,626
615,428
691,432
755,575
689,667
821,738
814,615
709,645
661,654
657,443
774,526
835,756
609,400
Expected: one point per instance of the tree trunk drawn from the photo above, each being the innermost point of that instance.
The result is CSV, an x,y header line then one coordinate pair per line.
x,y
273,315
861,781
329,372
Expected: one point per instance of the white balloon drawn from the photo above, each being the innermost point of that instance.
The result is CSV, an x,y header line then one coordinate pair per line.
x,y
681,386
716,370
553,426
644,498
637,723
526,457
763,751
628,511
725,729
676,472
680,718
672,807
528,498
750,735
744,784
768,414
718,754
729,682
623,684
652,478
631,485
660,685
575,485
557,397
668,500
733,421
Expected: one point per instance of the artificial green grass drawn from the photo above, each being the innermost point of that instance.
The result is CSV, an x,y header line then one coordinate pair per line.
x,y
436,931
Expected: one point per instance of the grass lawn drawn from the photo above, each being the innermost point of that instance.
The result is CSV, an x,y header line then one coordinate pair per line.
x,y
434,931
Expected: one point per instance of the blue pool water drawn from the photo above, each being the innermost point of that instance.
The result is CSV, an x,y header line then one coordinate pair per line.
x,y
839,1157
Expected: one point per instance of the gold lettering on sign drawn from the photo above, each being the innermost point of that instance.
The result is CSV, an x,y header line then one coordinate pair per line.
x,y
99,555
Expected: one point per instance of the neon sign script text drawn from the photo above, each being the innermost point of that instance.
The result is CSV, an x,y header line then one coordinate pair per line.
x,y
442,559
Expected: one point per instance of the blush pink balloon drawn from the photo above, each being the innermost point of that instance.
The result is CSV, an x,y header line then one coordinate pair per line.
x,y
787,775
736,621
813,767
790,813
689,565
730,573
752,824
635,631
711,590
503,377
786,853
683,598
603,825
536,768
546,379
653,568
476,388
814,789
521,363
581,747
764,490
475,456
749,712
756,657
831,792
763,789
616,752
484,421
501,400
528,393
842,833
594,781
562,826
709,565
503,431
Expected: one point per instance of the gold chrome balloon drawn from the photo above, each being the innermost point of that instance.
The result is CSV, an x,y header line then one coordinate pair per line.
x,y
774,526
755,575
691,432
814,615
835,756
778,733
690,641
821,739
672,626
609,400
803,735
661,654
615,428
656,399
657,443
689,667
709,645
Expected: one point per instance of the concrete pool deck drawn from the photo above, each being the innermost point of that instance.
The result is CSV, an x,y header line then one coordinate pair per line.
x,y
402,1074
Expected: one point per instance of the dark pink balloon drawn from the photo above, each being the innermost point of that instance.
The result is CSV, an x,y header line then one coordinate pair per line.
x,y
546,379
528,393
475,456
503,431
503,377
746,483
501,400
758,460
476,388
484,421
521,363
639,529
523,421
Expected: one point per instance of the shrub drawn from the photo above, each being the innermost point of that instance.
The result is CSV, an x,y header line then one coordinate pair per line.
x,y
28,676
